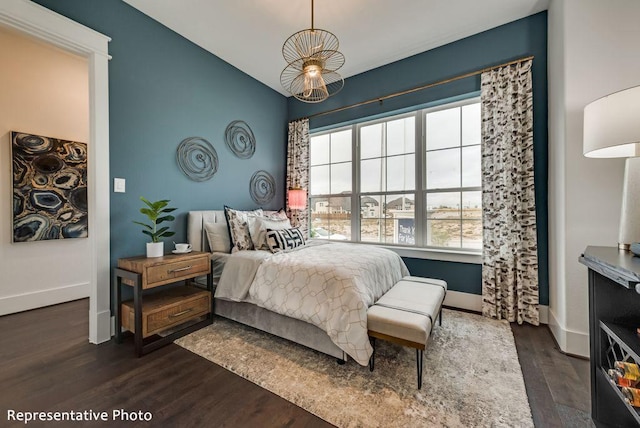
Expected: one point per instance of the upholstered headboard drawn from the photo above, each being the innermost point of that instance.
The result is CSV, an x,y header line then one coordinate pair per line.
x,y
195,230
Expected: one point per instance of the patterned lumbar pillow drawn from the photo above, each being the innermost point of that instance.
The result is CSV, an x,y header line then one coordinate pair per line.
x,y
286,239
238,223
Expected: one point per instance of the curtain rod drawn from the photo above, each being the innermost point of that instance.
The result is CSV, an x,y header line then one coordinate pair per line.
x,y
417,88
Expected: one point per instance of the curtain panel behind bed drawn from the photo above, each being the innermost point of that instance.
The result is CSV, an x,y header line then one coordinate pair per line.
x,y
298,169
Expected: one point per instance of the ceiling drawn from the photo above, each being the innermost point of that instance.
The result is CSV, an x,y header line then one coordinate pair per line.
x,y
249,34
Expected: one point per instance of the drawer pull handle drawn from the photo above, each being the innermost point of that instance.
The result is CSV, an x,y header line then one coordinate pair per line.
x,y
176,315
181,269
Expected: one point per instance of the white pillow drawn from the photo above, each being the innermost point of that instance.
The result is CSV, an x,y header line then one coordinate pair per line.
x,y
258,229
218,236
281,214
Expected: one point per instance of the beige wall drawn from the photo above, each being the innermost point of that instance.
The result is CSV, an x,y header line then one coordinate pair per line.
x,y
43,90
593,51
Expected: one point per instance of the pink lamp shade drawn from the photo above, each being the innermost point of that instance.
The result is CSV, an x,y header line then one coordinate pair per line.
x,y
297,199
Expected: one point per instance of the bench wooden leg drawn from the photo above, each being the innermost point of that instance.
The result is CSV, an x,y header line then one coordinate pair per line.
x,y
373,355
419,355
440,318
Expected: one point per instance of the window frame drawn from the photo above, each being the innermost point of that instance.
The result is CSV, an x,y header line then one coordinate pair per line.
x,y
420,191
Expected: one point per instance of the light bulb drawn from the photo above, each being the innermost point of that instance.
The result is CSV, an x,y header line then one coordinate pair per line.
x,y
313,82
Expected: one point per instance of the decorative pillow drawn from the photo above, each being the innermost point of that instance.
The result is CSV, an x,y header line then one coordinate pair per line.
x,y
258,229
238,223
218,236
281,214
279,240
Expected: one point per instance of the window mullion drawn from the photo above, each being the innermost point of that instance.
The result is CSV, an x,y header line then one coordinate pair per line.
x,y
461,173
355,183
330,190
419,213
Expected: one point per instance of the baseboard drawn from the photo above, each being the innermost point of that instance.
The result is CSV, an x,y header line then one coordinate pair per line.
x,y
103,327
570,342
544,314
41,298
460,300
473,302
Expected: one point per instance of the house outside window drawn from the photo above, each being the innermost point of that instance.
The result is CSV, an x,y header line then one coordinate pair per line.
x,y
416,181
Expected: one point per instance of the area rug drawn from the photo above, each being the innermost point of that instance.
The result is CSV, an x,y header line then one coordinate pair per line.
x,y
472,376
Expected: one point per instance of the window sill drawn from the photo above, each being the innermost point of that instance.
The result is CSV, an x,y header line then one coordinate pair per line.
x,y
459,256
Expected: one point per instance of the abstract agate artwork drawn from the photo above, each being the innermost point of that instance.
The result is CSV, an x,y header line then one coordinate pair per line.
x,y
49,188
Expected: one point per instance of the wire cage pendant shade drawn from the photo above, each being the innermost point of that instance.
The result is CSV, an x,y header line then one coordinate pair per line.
x,y
312,61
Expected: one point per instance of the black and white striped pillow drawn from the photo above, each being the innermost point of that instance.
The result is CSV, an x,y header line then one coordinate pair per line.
x,y
285,239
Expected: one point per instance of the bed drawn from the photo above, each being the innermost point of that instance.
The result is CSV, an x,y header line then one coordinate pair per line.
x,y
316,295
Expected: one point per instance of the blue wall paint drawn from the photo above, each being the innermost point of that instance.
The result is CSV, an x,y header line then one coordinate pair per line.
x,y
162,89
459,276
515,40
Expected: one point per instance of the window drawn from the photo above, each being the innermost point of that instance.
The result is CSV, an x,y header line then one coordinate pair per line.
x,y
453,177
331,185
416,181
387,181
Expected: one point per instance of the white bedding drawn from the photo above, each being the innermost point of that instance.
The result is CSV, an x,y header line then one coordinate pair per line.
x,y
330,285
218,260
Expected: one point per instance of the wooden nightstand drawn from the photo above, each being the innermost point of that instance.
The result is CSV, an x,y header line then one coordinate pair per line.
x,y
163,309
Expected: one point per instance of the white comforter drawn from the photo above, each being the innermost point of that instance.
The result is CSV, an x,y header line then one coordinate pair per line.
x,y
328,285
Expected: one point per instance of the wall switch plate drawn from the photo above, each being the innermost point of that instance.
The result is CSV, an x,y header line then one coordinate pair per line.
x,y
119,185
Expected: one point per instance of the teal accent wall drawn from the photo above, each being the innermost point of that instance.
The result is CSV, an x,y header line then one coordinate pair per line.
x,y
163,89
525,37
457,275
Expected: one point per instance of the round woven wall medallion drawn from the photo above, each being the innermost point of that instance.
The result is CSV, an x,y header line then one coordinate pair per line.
x,y
262,187
240,139
197,158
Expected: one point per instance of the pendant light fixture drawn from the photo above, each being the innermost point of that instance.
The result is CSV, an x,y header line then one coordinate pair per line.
x,y
312,60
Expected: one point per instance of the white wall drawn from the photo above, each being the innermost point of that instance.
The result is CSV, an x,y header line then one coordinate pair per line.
x,y
43,90
593,51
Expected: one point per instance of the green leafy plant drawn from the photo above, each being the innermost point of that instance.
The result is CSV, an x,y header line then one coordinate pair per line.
x,y
156,212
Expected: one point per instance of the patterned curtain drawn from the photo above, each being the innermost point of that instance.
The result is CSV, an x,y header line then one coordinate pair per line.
x,y
298,169
510,258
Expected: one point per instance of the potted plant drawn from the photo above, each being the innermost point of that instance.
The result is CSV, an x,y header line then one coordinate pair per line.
x,y
157,213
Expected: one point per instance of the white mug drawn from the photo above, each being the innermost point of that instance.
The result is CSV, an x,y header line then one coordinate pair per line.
x,y
183,248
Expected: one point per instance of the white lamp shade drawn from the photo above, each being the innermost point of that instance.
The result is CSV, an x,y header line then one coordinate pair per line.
x,y
297,199
612,125
612,130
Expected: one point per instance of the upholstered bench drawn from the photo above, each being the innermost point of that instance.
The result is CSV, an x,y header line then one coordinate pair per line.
x,y
405,315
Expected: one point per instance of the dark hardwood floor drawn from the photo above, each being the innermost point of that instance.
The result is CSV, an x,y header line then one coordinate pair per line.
x,y
47,364
558,385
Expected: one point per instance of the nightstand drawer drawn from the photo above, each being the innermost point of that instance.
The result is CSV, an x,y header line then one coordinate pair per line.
x,y
167,309
168,272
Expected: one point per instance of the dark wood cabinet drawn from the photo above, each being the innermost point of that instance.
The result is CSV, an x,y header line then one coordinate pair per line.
x,y
614,316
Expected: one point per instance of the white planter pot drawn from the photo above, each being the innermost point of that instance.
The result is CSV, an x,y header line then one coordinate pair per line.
x,y
155,249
